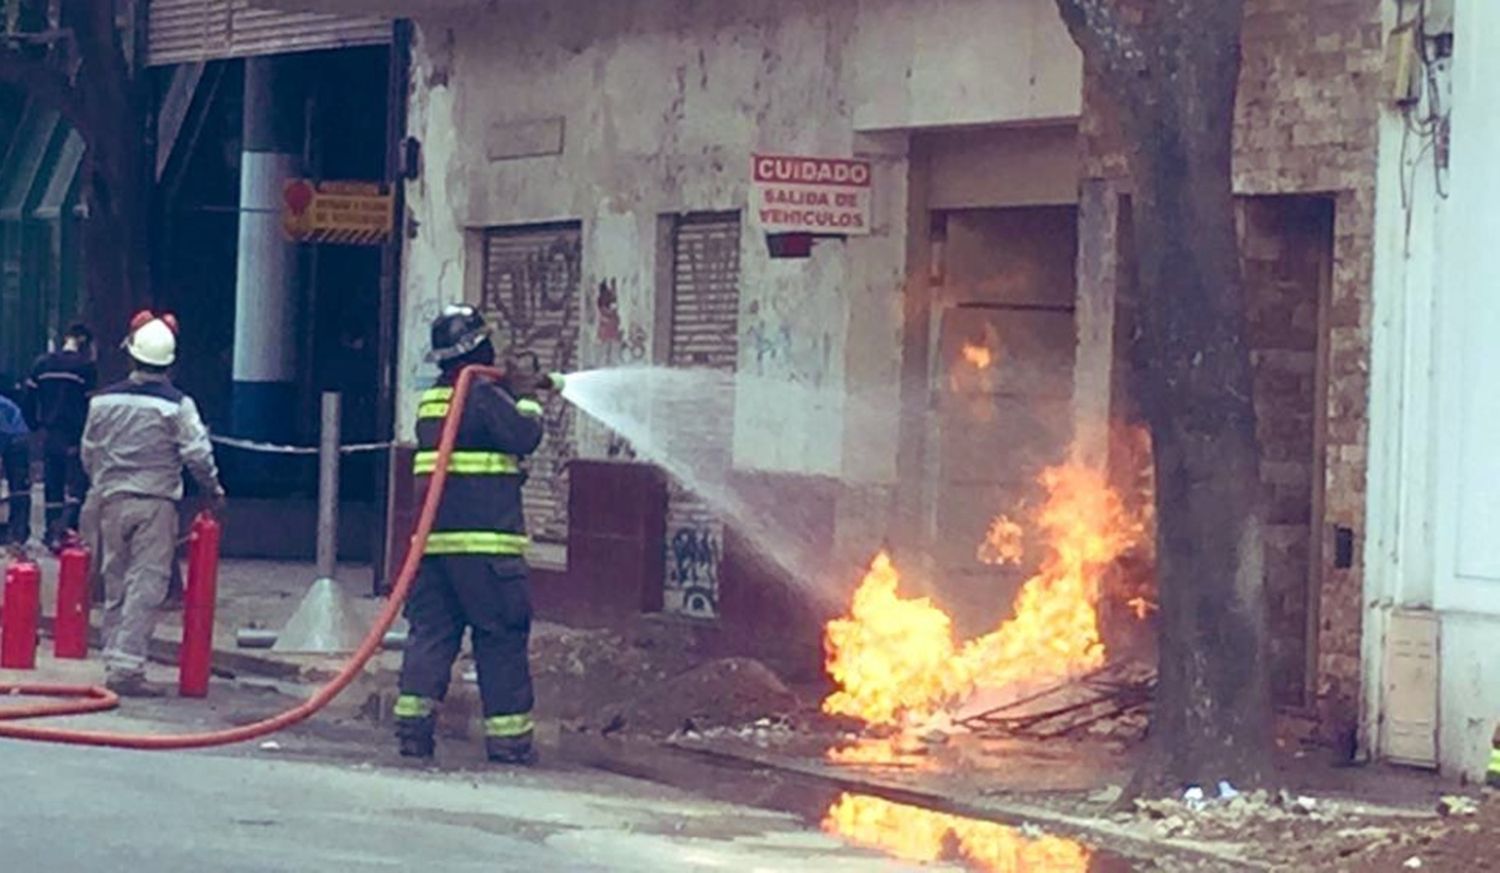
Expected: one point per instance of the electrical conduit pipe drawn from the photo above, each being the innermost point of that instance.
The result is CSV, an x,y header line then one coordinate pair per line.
x,y
98,699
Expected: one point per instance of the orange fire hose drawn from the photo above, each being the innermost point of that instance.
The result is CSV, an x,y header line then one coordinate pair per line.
x,y
96,699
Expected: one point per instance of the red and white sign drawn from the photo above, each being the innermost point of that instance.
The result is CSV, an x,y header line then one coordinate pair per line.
x,y
811,195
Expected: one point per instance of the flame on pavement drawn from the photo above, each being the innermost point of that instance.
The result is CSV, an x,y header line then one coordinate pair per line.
x,y
895,658
915,834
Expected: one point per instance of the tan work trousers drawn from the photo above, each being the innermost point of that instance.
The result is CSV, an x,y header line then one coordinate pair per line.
x,y
139,537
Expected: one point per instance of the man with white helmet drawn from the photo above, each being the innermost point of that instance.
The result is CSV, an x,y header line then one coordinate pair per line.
x,y
139,436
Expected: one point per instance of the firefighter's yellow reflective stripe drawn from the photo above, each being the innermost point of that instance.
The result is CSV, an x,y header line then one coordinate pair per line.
x,y
1495,761
508,725
468,463
529,407
413,706
477,542
434,402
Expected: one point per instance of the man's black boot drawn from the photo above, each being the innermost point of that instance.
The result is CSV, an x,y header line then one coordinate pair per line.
x,y
510,750
414,736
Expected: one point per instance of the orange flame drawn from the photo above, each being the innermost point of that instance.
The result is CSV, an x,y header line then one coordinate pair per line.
x,y
915,834
896,661
1141,606
891,656
1002,543
979,356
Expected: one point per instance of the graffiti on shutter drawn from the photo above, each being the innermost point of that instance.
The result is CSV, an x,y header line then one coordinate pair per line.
x,y
532,283
704,333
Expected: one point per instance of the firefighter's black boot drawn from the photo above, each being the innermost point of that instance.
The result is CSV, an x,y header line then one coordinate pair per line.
x,y
510,750
414,735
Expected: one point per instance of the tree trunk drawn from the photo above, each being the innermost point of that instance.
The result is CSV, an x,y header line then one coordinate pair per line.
x,y
120,180
98,90
1173,79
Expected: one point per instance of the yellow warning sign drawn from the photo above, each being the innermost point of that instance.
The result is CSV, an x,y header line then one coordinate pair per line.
x,y
347,213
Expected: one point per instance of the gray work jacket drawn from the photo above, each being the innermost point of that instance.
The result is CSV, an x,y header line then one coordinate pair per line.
x,y
139,436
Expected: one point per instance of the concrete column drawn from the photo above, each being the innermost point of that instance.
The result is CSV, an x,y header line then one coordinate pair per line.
x,y
265,335
1094,365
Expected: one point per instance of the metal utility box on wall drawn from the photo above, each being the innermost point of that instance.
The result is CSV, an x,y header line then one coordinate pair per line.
x,y
1410,691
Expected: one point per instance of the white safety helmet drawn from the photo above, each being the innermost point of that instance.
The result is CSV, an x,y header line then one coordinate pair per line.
x,y
152,340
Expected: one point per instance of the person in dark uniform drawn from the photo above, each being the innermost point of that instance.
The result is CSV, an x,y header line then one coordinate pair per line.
x,y
15,464
60,385
473,572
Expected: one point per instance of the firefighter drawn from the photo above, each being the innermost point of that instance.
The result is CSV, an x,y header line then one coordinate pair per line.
x,y
1492,777
59,386
138,437
15,462
473,572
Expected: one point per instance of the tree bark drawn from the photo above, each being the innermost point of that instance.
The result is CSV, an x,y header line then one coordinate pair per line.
x,y
1173,78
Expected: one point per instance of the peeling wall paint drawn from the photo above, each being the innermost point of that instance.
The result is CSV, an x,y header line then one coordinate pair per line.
x,y
661,103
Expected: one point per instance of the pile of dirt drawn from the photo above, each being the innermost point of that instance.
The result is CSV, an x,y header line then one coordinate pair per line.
x,y
725,692
577,671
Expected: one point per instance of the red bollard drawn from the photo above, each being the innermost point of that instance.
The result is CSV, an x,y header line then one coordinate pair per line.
x,y
70,632
18,621
198,596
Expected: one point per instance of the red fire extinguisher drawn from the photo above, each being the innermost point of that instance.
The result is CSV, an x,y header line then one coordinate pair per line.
x,y
18,621
70,632
198,596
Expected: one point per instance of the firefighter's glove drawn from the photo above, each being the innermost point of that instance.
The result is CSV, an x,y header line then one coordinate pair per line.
x,y
527,385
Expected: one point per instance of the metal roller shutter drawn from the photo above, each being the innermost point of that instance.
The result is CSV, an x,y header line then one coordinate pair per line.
x,y
201,30
704,333
532,283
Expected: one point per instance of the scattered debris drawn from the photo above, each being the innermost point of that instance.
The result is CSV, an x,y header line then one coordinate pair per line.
x,y
1110,703
1108,795
1413,863
723,693
1456,805
270,745
1193,798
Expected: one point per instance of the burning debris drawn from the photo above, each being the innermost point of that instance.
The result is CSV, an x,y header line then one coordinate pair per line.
x,y
1111,702
897,663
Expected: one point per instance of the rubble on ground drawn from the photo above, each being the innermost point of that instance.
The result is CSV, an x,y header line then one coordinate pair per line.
x,y
578,671
728,692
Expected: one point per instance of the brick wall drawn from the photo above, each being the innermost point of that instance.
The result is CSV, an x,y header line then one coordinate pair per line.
x,y
1306,124
1286,243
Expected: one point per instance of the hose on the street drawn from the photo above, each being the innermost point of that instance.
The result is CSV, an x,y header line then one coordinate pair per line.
x,y
96,699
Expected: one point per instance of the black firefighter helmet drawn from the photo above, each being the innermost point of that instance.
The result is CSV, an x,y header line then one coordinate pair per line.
x,y
457,332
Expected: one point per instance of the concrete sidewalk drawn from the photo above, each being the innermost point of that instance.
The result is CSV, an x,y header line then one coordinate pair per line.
x,y
251,594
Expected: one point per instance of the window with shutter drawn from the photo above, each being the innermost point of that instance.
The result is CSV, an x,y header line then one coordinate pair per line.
x,y
704,333
182,31
532,283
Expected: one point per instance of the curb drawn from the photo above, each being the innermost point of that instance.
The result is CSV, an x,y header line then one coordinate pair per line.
x,y
225,663
668,762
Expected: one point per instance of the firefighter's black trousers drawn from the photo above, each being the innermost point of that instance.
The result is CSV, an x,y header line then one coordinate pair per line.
x,y
15,460
489,595
63,482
